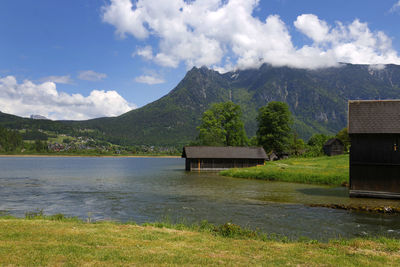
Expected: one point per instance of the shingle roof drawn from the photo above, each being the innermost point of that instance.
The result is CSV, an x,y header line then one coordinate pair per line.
x,y
333,140
229,152
374,116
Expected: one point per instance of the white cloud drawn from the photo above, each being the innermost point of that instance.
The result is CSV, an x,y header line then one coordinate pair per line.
x,y
223,34
149,79
90,75
354,43
145,52
120,14
312,27
395,7
28,98
58,79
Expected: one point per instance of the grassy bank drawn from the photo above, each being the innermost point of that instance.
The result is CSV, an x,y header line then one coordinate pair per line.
x,y
44,242
321,170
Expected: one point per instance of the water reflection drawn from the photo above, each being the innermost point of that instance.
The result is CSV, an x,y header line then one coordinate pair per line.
x,y
149,189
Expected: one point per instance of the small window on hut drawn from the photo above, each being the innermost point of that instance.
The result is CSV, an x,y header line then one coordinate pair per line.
x,y
395,144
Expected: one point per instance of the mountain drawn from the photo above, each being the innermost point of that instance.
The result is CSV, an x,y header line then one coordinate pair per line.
x,y
317,100
38,117
173,118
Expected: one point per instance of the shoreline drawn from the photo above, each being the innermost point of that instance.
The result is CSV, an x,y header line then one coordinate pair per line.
x,y
82,156
324,170
56,240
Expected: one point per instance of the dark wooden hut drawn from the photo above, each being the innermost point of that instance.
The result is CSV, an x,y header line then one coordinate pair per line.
x,y
208,158
374,130
333,147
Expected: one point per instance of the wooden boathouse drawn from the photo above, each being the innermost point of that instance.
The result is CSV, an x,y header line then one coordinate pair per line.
x,y
333,147
209,158
374,130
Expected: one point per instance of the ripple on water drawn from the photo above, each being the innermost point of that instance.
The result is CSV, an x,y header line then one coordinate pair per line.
x,y
150,189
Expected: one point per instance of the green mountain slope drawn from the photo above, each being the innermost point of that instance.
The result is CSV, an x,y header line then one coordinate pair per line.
x,y
173,118
317,99
15,122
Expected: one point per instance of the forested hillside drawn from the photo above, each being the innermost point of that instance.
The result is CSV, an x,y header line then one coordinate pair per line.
x,y
316,98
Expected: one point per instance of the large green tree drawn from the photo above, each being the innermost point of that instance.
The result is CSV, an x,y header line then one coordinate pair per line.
x,y
221,125
9,140
274,127
316,144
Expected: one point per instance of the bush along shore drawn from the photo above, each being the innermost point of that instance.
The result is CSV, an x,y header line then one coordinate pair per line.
x,y
319,170
40,240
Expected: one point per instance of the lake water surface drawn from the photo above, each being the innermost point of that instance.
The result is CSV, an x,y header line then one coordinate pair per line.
x,y
152,189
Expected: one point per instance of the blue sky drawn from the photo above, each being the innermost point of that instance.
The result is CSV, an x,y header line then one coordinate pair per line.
x,y
82,59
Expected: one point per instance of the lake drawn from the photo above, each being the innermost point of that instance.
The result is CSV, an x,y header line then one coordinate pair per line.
x,y
153,189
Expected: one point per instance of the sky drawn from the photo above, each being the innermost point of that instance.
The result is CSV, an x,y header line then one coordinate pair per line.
x,y
82,59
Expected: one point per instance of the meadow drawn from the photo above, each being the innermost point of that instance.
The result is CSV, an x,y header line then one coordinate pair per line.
x,y
325,170
56,241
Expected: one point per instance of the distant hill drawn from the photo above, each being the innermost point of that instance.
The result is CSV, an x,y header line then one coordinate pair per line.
x,y
317,99
38,117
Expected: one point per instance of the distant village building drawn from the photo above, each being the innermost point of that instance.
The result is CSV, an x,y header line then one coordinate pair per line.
x,y
208,158
333,147
277,156
374,130
272,156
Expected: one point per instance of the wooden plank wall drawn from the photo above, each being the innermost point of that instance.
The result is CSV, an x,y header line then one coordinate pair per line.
x,y
221,164
375,162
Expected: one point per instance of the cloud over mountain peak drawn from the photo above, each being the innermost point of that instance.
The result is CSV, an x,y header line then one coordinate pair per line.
x,y
225,35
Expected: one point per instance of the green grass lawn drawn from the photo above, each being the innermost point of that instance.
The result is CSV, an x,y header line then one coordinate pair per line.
x,y
320,170
60,138
44,242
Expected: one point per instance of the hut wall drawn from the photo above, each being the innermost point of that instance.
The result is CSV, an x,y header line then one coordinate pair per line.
x,y
374,165
375,148
188,164
336,148
221,164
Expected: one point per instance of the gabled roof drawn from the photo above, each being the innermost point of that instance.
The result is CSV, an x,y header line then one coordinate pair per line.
x,y
333,140
374,116
229,152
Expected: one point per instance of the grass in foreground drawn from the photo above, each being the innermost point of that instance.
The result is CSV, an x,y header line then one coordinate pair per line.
x,y
320,170
60,241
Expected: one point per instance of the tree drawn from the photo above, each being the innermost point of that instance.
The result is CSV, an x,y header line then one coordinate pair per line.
x,y
316,145
9,140
318,140
343,136
274,129
253,141
40,146
297,145
221,125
